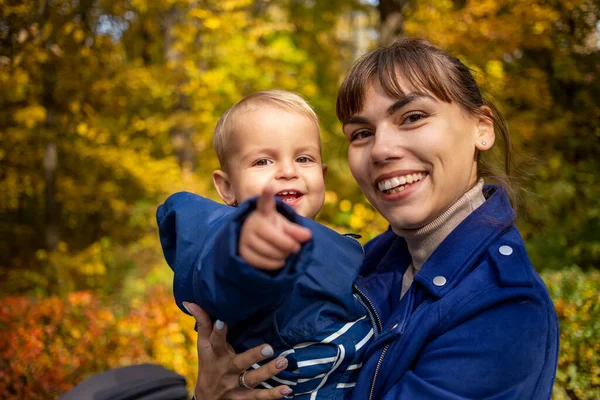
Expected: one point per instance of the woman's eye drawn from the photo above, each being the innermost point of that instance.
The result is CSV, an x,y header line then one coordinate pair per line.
x,y
362,134
303,159
263,162
413,117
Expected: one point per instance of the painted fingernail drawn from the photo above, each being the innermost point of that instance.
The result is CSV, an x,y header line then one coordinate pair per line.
x,y
185,305
267,351
219,325
286,391
281,363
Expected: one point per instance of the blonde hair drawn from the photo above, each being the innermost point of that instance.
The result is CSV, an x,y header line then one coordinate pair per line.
x,y
287,101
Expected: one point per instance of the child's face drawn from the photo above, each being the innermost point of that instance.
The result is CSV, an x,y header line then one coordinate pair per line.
x,y
271,146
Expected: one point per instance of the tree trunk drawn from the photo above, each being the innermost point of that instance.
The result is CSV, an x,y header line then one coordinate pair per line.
x,y
50,153
391,21
181,133
50,163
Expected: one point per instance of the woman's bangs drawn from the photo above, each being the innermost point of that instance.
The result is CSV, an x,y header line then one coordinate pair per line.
x,y
351,95
420,73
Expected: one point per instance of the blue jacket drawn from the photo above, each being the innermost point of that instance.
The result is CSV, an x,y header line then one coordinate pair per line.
x,y
477,323
307,311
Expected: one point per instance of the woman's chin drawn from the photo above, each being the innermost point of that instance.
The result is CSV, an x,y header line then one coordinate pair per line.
x,y
406,221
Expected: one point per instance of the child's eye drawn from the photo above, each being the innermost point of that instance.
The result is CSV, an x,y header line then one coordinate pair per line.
x,y
303,159
360,134
413,117
262,162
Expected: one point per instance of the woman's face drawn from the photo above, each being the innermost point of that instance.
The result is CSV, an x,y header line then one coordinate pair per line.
x,y
414,157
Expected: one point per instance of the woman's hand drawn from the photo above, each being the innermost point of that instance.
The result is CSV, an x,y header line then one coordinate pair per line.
x,y
220,369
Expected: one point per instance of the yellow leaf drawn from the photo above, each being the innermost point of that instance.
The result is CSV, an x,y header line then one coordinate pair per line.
x,y
82,129
212,23
79,35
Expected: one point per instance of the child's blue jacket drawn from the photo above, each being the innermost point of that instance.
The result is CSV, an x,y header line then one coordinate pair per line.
x,y
477,323
199,239
307,311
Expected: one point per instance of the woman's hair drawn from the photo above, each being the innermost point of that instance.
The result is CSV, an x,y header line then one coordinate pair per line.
x,y
286,101
425,66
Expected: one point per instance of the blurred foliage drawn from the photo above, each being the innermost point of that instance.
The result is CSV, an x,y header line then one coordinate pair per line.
x,y
50,345
576,296
128,94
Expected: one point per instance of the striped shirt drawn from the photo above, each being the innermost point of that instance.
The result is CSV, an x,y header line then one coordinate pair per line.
x,y
329,362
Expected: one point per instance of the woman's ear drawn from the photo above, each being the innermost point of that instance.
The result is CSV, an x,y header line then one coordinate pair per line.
x,y
223,185
324,171
485,134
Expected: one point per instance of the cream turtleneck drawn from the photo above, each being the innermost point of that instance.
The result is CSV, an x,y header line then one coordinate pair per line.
x,y
423,241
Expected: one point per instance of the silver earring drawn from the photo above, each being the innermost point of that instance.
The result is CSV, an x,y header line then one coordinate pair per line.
x,y
483,143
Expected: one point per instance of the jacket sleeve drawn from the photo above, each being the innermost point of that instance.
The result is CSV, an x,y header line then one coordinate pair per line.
x,y
199,238
228,288
491,355
186,224
312,290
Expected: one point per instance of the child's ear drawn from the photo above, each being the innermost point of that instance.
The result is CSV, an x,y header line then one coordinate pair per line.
x,y
324,171
223,186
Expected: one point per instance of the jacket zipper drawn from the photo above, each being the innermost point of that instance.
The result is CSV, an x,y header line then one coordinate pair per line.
x,y
375,321
377,327
385,348
379,362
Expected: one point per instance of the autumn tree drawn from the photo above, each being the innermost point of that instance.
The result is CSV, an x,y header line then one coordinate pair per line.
x,y
109,106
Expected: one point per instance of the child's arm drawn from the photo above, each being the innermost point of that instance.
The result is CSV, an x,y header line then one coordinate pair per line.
x,y
284,293
186,223
254,261
199,241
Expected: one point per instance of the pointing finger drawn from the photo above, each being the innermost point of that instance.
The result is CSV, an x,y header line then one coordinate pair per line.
x,y
266,202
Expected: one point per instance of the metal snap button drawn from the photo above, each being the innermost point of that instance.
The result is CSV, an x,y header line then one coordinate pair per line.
x,y
439,281
505,250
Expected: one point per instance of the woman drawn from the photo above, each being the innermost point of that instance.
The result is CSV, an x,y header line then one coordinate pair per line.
x,y
459,310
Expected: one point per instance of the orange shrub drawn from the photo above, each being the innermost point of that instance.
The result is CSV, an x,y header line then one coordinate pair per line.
x,y
47,346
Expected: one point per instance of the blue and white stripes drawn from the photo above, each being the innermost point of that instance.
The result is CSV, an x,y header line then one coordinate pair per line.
x,y
331,361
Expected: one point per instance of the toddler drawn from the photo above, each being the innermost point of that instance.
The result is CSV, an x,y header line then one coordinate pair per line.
x,y
303,303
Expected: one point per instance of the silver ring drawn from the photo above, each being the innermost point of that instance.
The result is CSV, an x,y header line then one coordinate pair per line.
x,y
242,381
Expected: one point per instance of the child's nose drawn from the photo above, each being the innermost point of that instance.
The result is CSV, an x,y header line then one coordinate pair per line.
x,y
287,170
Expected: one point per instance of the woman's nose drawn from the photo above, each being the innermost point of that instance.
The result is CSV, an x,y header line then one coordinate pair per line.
x,y
386,146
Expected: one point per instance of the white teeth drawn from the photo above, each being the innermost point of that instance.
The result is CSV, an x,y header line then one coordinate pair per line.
x,y
292,192
396,184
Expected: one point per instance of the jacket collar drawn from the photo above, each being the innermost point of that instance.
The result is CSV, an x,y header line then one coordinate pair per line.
x,y
463,246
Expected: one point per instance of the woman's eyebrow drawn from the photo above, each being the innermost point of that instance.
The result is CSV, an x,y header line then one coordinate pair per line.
x,y
357,119
406,100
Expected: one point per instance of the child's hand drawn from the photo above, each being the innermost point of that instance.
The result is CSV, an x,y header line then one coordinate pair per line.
x,y
267,237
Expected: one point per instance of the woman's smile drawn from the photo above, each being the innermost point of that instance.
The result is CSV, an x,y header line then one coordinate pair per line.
x,y
399,183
